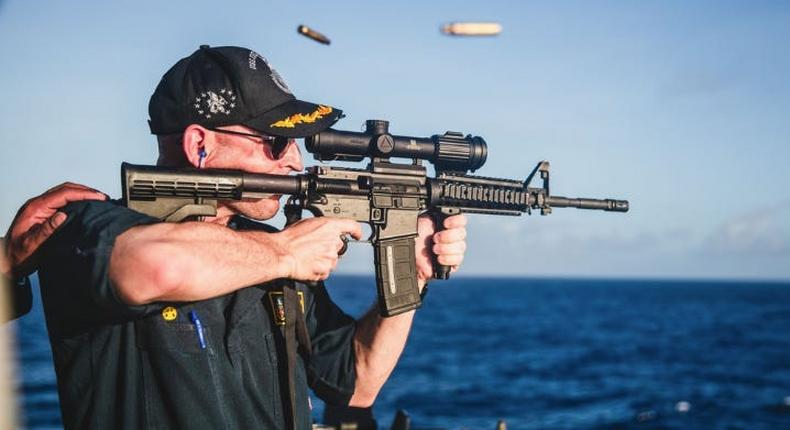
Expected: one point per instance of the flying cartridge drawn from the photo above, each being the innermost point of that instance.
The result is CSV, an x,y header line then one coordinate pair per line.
x,y
312,34
472,29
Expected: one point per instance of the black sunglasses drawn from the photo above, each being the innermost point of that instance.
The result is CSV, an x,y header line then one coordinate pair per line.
x,y
277,143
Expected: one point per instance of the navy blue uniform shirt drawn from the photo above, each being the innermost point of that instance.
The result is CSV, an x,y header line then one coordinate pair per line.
x,y
122,366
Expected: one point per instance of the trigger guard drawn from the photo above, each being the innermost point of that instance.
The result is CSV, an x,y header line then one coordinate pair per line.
x,y
372,235
345,239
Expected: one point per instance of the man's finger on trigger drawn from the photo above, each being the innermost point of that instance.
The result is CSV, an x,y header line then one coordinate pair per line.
x,y
353,228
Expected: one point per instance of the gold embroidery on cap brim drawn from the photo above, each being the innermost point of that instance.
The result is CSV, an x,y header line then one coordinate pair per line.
x,y
305,118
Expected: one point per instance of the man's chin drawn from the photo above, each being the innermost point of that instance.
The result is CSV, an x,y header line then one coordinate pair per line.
x,y
259,209
268,209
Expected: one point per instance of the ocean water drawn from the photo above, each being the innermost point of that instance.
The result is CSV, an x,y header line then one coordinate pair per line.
x,y
557,354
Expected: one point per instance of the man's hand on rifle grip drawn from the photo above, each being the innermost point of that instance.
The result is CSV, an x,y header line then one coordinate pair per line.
x,y
447,246
311,246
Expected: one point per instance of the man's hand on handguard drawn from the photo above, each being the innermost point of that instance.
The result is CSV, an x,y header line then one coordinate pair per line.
x,y
447,245
36,221
313,244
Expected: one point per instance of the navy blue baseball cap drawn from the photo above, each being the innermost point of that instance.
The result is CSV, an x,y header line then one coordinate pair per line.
x,y
231,85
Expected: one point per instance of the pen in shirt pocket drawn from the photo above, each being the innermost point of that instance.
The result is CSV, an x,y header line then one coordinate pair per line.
x,y
198,328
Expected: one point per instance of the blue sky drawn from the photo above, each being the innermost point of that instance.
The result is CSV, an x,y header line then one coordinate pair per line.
x,y
681,108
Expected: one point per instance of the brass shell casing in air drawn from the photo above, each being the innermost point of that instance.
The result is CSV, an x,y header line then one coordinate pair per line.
x,y
472,29
312,34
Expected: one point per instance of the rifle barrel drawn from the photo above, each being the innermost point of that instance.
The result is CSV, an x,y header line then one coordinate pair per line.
x,y
609,205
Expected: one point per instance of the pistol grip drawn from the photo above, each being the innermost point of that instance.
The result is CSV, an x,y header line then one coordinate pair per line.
x,y
440,271
396,275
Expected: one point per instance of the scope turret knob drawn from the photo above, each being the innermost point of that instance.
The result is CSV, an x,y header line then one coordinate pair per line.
x,y
377,126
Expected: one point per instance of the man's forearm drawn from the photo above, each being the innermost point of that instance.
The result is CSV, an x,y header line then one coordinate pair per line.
x,y
192,261
378,344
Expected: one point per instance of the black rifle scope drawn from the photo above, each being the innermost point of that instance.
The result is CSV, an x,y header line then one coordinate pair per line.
x,y
448,152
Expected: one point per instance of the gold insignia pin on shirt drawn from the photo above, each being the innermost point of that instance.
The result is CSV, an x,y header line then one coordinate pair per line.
x,y
169,313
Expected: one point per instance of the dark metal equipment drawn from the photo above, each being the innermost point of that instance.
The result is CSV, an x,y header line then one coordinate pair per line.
x,y
388,196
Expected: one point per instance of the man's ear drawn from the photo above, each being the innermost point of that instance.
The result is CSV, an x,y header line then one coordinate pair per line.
x,y
194,143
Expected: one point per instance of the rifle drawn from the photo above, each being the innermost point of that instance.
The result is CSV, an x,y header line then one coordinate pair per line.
x,y
388,196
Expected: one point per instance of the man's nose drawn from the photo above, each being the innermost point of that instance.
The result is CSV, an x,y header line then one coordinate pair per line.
x,y
291,157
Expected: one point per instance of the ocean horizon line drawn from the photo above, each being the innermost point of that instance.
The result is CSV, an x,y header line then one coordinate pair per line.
x,y
600,278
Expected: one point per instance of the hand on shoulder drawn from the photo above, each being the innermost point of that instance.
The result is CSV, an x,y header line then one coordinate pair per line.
x,y
35,222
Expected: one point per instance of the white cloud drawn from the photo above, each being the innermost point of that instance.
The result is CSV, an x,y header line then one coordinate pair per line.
x,y
761,232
